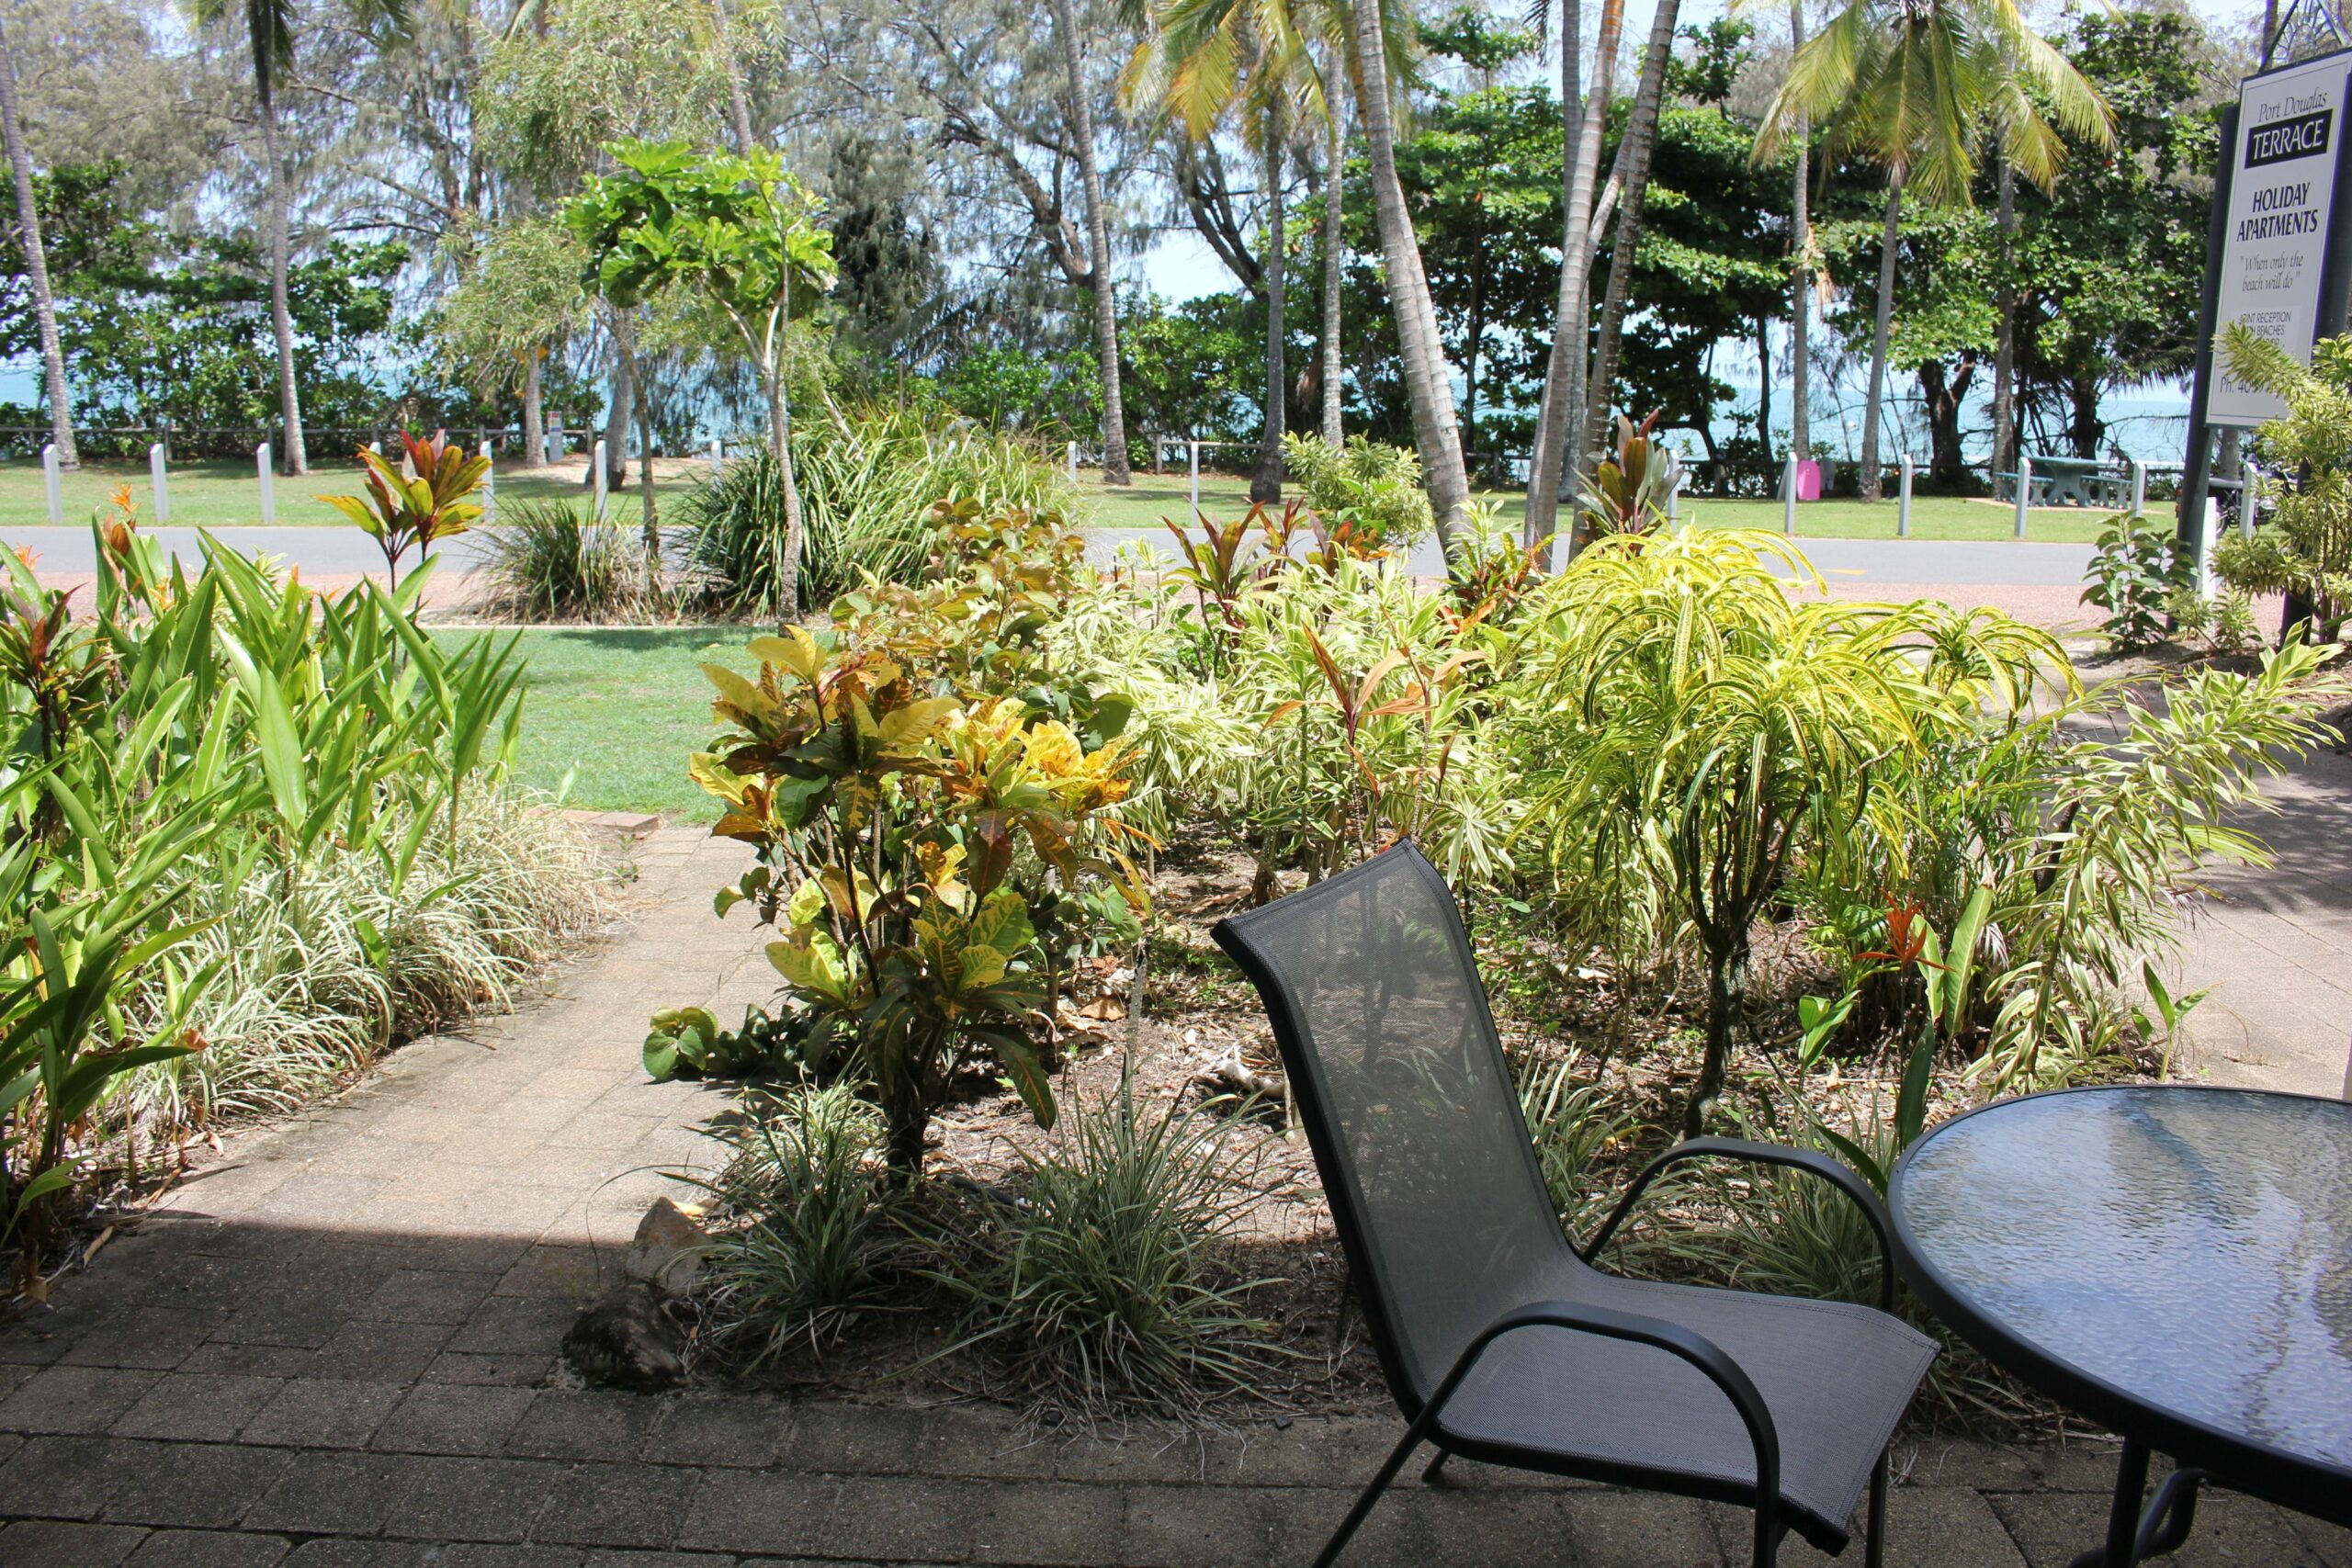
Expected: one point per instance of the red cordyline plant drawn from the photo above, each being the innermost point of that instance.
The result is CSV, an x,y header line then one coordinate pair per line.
x,y
400,513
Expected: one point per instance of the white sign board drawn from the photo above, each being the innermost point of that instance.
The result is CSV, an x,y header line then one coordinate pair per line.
x,y
2282,189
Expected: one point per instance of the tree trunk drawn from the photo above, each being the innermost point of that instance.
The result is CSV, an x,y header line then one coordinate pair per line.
x,y
1727,979
1764,392
52,355
2005,333
780,444
1800,271
1562,410
1871,477
1641,141
535,419
1944,394
2087,430
281,314
738,101
650,528
1427,383
1098,241
1266,484
1335,144
1473,339
622,409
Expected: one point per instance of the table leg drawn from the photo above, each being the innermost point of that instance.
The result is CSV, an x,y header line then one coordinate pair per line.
x,y
2133,1535
2123,1510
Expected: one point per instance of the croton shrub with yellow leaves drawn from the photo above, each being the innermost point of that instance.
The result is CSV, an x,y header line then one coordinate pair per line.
x,y
919,842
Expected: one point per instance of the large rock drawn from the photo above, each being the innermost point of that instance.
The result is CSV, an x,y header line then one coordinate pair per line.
x,y
668,1249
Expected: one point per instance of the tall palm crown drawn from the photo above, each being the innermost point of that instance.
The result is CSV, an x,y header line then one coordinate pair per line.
x,y
1917,85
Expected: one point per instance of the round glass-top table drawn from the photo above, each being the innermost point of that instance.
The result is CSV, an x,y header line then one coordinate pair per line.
x,y
2174,1262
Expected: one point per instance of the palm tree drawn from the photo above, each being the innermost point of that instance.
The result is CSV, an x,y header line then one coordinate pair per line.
x,y
1559,415
1428,383
52,357
1335,162
1204,60
1098,244
1912,84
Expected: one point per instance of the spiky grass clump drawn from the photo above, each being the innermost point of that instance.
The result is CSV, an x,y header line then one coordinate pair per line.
x,y
821,1237
1098,1281
549,561
869,478
323,966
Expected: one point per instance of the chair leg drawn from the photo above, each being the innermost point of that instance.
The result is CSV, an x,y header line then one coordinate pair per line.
x,y
1437,1466
1874,1543
1370,1494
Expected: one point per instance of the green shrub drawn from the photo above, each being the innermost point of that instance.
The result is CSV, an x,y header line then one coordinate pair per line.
x,y
255,834
1374,488
549,561
1095,1281
820,1237
2134,576
919,804
2305,550
868,480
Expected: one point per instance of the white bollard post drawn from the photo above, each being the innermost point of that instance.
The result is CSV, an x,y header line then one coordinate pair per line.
x,y
53,482
1073,462
156,477
1788,496
1903,506
265,472
2025,489
1197,480
718,458
488,484
2139,486
2208,527
598,459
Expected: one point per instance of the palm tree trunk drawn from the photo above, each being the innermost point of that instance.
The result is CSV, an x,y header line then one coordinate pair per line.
x,y
1335,142
2004,331
281,314
1571,124
1266,484
1764,391
1872,486
1427,383
52,355
535,419
1800,271
1641,141
1098,242
1561,411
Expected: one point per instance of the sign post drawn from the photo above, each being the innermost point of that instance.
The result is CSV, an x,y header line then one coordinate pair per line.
x,y
2279,255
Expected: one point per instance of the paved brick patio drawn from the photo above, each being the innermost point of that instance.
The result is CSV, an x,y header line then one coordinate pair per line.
x,y
337,1346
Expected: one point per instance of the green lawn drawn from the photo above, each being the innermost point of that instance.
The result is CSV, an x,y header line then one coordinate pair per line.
x,y
1149,499
226,494
620,708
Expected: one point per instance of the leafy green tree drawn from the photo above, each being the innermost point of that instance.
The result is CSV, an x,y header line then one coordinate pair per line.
x,y
737,230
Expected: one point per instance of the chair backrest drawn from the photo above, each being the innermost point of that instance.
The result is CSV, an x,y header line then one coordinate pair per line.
x,y
1385,1030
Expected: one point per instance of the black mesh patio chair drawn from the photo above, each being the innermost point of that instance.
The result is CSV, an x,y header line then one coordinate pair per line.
x,y
1498,1339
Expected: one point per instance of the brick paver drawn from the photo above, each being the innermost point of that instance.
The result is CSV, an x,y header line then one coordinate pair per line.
x,y
336,1346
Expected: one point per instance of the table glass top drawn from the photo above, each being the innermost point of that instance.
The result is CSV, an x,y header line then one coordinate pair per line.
x,y
2190,1247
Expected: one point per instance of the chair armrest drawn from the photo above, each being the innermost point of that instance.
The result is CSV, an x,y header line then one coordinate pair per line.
x,y
1658,1333
1836,1172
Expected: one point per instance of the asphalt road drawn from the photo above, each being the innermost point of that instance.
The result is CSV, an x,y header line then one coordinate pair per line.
x,y
334,551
